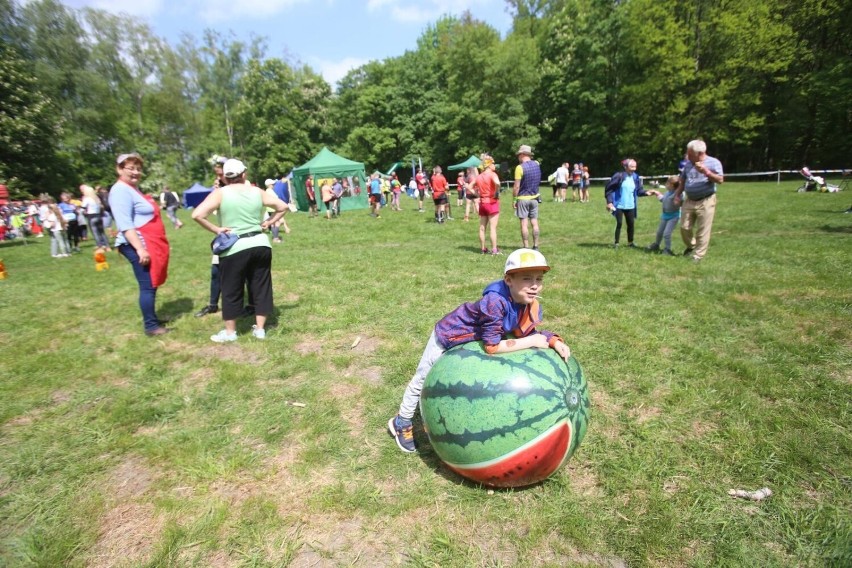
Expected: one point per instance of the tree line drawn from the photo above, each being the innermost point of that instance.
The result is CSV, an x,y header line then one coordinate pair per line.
x,y
765,82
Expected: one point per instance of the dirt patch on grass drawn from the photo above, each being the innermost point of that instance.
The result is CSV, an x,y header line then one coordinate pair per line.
x,y
701,428
235,493
129,531
25,419
370,375
119,382
309,345
351,405
127,536
149,430
583,480
196,381
554,551
289,298
643,414
608,410
366,345
235,352
330,540
130,479
674,484
843,376
60,397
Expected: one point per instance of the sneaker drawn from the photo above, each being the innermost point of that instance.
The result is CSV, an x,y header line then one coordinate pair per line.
x,y
420,211
688,251
258,332
450,218
631,245
403,432
276,240
696,259
615,245
652,247
484,251
223,337
667,252
206,310
496,252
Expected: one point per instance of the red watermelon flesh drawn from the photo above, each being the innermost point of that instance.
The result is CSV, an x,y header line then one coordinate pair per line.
x,y
529,464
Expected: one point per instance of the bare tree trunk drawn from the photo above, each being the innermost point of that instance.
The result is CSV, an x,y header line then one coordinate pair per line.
x,y
139,111
229,129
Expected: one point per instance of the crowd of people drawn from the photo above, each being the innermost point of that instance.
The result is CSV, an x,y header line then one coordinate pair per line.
x,y
241,271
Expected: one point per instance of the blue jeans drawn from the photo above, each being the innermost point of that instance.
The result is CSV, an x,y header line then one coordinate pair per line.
x,y
96,222
147,292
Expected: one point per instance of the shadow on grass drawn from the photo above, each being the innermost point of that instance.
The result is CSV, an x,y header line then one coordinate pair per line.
x,y
428,456
474,250
829,229
595,245
19,242
174,309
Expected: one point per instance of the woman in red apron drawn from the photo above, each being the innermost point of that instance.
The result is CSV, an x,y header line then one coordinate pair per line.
x,y
141,237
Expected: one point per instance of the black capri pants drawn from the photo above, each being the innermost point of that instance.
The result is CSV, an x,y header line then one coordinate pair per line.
x,y
628,215
253,268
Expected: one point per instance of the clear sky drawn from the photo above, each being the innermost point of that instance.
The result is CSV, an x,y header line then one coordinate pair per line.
x,y
332,36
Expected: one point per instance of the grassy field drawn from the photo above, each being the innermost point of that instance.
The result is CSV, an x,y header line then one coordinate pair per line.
x,y
122,450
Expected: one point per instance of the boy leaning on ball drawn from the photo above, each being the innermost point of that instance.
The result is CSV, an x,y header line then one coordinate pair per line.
x,y
505,319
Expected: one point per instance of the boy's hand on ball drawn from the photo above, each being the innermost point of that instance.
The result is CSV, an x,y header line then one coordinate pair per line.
x,y
563,350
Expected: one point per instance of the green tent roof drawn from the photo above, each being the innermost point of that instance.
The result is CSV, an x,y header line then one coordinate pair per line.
x,y
327,162
471,162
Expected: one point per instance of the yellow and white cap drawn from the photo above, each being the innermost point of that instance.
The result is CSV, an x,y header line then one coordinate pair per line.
x,y
525,259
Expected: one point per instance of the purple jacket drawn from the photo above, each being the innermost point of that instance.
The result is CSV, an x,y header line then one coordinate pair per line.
x,y
490,319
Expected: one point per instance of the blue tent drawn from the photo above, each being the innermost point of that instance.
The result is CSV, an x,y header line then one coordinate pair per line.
x,y
195,195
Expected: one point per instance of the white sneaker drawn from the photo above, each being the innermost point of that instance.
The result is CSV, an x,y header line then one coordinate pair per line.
x,y
258,332
224,337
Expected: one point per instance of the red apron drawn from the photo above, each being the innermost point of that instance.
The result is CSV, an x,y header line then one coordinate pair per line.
x,y
154,234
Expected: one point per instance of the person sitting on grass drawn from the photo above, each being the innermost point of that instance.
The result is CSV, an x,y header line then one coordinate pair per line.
x,y
504,319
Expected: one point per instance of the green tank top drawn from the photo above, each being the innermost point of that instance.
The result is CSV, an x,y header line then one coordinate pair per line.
x,y
241,211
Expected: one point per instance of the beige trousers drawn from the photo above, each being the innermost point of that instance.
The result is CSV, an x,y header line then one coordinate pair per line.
x,y
695,223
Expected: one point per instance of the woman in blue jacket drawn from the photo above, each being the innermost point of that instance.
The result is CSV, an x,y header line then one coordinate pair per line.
x,y
622,193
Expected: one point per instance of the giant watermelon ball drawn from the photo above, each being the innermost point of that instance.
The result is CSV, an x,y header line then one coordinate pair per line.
x,y
505,420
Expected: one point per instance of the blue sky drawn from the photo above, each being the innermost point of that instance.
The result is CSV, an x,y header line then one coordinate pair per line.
x,y
332,36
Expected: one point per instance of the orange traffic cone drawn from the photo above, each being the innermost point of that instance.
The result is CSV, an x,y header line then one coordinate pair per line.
x,y
101,263
2,270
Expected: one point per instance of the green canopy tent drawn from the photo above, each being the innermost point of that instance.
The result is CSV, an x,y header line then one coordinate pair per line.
x,y
327,164
471,162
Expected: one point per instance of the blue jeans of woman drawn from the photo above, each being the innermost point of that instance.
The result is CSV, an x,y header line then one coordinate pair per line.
x,y
147,292
96,222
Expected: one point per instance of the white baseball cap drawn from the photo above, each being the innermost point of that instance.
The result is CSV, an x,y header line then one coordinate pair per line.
x,y
269,181
525,259
233,168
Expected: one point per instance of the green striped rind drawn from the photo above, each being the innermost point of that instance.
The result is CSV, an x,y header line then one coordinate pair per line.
x,y
479,407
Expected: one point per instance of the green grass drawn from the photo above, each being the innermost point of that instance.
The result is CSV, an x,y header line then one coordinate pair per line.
x,y
117,449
